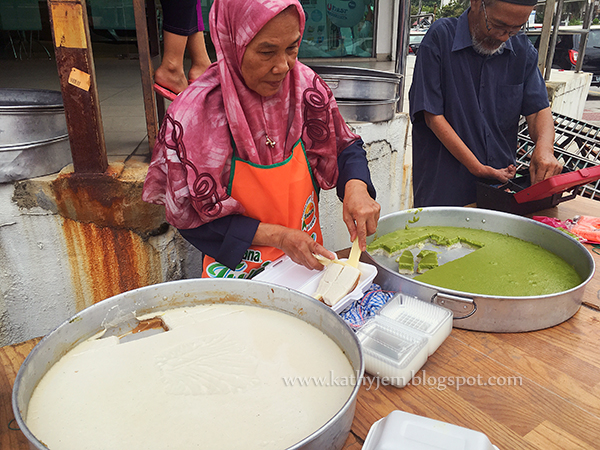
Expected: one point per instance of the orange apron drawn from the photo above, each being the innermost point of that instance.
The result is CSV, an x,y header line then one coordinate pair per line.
x,y
283,194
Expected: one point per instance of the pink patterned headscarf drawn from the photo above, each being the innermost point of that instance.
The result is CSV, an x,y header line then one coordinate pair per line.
x,y
191,163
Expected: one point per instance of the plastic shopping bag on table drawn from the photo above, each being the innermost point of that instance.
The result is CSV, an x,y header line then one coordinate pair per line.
x,y
565,226
588,228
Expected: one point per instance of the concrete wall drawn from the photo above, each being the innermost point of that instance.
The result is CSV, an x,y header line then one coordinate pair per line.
x,y
385,143
69,241
568,91
61,250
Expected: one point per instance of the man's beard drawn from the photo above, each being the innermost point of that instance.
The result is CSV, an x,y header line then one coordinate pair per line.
x,y
488,45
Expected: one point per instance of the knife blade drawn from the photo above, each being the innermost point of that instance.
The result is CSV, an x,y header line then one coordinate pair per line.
x,y
354,254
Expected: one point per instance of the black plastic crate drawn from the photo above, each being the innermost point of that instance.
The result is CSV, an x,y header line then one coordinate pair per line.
x,y
501,196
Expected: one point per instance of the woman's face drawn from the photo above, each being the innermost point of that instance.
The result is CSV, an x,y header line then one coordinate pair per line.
x,y
272,53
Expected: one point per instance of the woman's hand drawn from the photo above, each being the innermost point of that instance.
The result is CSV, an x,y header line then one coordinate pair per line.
x,y
361,212
298,245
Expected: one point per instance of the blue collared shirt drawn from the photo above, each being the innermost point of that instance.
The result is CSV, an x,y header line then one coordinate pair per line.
x,y
482,97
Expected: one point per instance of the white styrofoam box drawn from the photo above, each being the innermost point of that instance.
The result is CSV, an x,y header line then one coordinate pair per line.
x,y
285,272
400,430
432,320
391,351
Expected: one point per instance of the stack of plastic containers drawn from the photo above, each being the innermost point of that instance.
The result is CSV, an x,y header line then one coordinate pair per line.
x,y
400,430
397,342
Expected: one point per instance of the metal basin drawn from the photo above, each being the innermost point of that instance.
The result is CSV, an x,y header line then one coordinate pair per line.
x,y
121,308
486,312
363,95
33,134
356,83
367,110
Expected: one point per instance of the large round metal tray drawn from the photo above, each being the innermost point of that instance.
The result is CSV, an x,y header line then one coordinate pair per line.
x,y
120,311
486,312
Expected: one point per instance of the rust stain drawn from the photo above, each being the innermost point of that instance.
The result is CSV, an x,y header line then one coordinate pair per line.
x,y
98,198
105,262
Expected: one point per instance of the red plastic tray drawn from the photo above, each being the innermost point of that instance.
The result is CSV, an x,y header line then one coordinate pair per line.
x,y
558,183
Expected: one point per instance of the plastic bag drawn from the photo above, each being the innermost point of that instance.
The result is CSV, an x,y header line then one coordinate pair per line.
x,y
565,226
588,227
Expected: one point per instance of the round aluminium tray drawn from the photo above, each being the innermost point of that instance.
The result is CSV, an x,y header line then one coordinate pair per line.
x,y
487,312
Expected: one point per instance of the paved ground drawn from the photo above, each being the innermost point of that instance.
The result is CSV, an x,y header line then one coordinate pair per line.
x,y
591,112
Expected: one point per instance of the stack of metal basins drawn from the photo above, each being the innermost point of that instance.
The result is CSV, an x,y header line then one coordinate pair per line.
x,y
33,134
363,95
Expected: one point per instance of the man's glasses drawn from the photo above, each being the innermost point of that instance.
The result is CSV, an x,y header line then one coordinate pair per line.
x,y
498,31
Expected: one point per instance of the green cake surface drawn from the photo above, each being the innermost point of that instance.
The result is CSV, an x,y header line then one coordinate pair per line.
x,y
406,262
500,264
428,259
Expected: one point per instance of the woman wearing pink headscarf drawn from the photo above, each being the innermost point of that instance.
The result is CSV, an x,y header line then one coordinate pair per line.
x,y
243,152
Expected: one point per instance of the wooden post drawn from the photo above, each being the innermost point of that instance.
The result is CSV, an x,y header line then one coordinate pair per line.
x,y
73,50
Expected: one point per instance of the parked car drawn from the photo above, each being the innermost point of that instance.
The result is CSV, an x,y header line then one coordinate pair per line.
x,y
414,40
566,50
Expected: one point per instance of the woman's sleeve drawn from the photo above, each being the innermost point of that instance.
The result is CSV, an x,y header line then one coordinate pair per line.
x,y
226,239
353,165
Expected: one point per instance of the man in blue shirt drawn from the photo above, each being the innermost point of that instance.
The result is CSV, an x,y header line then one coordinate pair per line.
x,y
474,77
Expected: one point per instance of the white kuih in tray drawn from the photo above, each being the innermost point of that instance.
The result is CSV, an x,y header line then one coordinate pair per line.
x,y
397,341
400,430
285,272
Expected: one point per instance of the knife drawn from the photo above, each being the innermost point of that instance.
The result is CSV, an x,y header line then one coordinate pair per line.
x,y
354,254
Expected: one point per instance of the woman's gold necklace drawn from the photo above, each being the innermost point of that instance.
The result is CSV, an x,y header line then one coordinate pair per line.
x,y
270,142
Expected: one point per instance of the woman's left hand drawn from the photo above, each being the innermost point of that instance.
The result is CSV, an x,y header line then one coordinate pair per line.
x,y
361,212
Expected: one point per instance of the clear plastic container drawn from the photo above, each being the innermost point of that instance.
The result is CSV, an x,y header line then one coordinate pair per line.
x,y
432,320
400,430
392,352
285,272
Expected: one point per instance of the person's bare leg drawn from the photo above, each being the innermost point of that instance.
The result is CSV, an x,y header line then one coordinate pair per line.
x,y
197,51
170,73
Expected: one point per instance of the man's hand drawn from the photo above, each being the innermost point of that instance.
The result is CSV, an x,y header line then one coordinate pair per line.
x,y
543,165
502,175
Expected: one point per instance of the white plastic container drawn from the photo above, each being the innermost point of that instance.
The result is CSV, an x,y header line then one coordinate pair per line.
x,y
285,272
392,352
400,430
433,321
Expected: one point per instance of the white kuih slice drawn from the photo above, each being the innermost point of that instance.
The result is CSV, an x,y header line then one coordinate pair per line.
x,y
337,281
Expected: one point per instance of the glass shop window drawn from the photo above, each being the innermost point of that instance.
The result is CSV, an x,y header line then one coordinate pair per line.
x,y
337,28
334,28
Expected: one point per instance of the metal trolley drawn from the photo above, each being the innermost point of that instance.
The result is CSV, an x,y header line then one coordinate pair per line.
x,y
576,145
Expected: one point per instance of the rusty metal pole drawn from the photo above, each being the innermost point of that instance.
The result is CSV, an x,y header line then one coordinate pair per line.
x,y
146,28
73,50
545,35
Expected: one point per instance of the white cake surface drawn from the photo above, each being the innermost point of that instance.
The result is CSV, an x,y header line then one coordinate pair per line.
x,y
219,378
